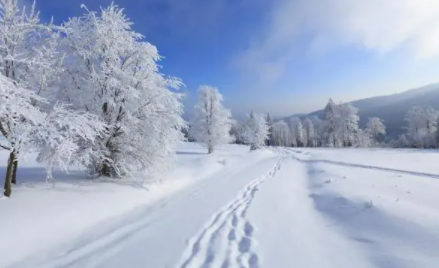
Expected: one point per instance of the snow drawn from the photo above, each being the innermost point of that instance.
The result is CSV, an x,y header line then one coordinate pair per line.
x,y
278,207
40,216
410,160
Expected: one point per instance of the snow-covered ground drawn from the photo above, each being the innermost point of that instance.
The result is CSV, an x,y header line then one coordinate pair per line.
x,y
280,207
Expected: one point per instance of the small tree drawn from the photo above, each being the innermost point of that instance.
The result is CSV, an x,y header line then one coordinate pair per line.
x,y
212,123
331,124
347,123
375,129
254,131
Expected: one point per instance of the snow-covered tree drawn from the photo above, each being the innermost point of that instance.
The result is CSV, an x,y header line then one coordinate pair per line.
x,y
331,130
269,141
311,137
17,114
297,131
235,132
422,126
347,123
212,122
30,118
281,134
375,129
319,128
437,134
341,124
65,137
254,131
362,139
17,117
111,72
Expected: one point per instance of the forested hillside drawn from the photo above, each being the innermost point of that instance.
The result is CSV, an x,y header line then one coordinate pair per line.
x,y
393,108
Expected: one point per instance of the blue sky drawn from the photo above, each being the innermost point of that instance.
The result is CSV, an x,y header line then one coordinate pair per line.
x,y
285,56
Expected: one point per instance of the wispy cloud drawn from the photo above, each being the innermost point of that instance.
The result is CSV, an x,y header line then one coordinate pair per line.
x,y
300,26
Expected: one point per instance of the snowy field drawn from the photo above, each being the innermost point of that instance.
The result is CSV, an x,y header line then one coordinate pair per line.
x,y
274,208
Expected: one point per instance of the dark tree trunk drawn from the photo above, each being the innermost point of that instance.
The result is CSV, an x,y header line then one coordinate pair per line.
x,y
14,171
210,149
8,177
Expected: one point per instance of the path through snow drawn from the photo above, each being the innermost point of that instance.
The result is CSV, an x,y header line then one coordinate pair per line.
x,y
226,241
293,208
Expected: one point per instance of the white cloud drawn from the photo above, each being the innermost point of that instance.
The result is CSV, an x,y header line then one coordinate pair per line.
x,y
377,25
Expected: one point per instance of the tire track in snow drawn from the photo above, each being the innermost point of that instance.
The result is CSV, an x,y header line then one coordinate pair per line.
x,y
227,240
354,165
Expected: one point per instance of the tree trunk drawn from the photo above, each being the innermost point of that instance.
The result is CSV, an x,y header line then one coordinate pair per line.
x,y
210,149
14,171
8,177
106,170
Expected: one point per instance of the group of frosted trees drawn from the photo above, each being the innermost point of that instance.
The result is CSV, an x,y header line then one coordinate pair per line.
x,y
422,129
212,124
86,92
338,128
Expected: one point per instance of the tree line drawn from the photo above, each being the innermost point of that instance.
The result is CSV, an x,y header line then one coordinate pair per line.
x,y
338,126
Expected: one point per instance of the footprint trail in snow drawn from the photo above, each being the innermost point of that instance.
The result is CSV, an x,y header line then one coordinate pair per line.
x,y
227,240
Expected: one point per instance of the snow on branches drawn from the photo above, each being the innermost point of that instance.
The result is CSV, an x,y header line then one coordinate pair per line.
x,y
88,92
422,125
254,131
211,123
113,73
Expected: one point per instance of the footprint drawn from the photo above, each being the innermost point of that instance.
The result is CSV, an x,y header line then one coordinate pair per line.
x,y
248,229
244,245
231,236
253,261
234,220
